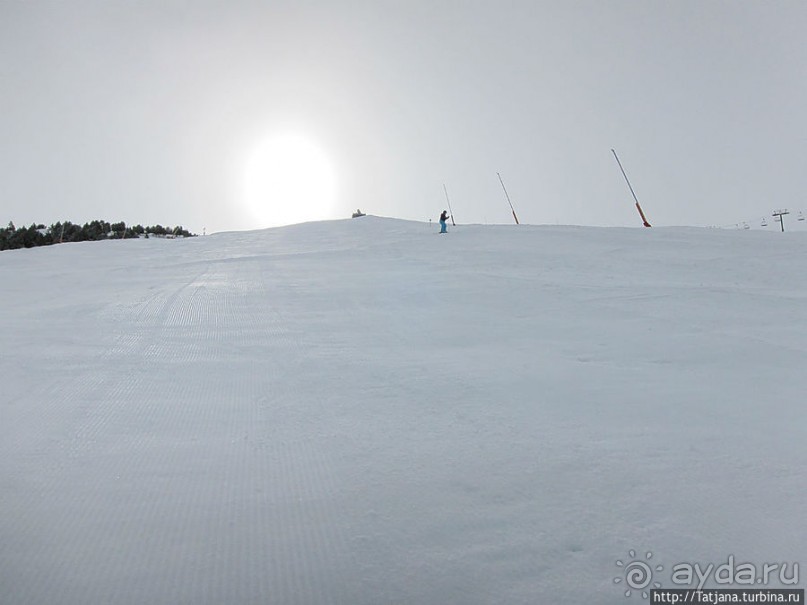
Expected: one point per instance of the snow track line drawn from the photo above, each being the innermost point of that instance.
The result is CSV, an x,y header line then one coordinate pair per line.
x,y
223,501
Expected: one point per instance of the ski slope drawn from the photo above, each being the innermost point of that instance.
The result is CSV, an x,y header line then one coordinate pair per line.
x,y
365,412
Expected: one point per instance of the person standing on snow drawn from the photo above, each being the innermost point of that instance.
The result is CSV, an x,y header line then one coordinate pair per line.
x,y
443,219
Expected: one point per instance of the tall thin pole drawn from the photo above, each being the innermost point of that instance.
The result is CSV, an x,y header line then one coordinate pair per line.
x,y
449,205
508,198
638,207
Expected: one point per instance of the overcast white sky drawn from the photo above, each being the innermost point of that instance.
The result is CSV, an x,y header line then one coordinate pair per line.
x,y
148,111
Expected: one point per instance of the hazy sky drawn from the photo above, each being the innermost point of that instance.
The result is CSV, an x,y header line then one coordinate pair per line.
x,y
149,111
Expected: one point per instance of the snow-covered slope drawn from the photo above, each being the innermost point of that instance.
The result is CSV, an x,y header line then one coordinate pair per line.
x,y
366,412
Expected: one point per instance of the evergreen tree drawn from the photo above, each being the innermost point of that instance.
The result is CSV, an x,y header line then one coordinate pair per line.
x,y
38,235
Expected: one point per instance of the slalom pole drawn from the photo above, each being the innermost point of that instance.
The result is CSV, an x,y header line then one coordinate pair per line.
x,y
449,206
638,207
508,198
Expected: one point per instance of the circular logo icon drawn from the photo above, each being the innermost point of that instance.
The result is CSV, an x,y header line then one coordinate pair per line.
x,y
637,574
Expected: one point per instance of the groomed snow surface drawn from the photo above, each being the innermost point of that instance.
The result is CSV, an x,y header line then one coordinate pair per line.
x,y
366,412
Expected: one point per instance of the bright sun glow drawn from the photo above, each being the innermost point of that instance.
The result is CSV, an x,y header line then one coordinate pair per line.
x,y
289,179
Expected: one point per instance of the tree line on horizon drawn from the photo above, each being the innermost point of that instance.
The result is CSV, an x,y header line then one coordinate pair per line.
x,y
35,235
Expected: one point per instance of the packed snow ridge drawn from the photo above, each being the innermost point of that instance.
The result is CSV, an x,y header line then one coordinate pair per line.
x,y
367,412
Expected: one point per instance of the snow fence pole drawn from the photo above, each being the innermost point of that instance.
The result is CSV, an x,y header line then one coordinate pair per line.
x,y
638,207
449,206
508,198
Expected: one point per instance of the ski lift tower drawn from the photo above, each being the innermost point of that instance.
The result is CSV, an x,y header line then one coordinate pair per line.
x,y
779,216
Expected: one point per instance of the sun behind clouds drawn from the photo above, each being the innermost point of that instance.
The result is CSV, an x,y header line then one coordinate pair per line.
x,y
289,179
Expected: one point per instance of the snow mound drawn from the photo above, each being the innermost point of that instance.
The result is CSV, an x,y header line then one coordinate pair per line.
x,y
367,412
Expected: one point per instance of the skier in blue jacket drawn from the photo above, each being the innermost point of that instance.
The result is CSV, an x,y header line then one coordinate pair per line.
x,y
443,219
